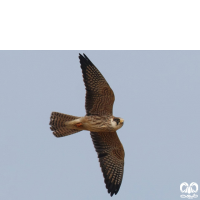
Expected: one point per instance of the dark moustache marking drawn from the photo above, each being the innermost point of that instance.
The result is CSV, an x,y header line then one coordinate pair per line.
x,y
117,120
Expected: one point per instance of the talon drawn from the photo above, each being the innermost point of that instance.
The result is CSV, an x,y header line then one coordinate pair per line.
x,y
78,124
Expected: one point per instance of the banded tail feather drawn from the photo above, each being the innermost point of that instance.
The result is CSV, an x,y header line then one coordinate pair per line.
x,y
57,122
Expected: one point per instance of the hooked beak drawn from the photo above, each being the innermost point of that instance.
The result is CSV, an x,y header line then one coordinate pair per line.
x,y
121,121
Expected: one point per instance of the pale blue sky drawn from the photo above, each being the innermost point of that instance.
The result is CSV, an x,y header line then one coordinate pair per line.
x,y
156,92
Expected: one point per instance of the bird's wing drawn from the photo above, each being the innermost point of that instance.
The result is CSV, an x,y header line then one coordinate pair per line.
x,y
99,95
111,157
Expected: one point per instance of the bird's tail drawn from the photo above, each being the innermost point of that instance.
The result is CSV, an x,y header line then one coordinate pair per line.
x,y
58,126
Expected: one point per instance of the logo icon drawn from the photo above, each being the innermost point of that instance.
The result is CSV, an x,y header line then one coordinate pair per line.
x,y
189,189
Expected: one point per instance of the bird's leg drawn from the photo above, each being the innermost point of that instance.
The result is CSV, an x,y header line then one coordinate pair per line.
x,y
78,125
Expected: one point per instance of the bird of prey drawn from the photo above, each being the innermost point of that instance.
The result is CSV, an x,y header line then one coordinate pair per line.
x,y
101,123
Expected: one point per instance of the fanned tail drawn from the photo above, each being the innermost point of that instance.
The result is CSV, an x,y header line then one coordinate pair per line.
x,y
57,122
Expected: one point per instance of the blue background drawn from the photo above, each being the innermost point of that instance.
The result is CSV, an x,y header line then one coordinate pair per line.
x,y
156,92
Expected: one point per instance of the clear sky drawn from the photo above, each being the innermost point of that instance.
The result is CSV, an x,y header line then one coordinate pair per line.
x,y
156,92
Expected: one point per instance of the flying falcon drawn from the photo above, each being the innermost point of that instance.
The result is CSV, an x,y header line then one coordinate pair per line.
x,y
101,123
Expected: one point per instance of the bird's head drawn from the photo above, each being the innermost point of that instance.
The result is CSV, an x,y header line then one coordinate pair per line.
x,y
117,122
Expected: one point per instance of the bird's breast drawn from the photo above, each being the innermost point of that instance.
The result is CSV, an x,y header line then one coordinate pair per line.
x,y
97,124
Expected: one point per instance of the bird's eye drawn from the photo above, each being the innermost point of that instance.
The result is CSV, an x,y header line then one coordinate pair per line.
x,y
117,120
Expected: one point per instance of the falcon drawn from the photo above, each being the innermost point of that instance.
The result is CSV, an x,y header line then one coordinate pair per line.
x,y
101,123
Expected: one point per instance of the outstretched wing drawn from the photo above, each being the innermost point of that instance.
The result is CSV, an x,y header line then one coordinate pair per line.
x,y
111,157
99,95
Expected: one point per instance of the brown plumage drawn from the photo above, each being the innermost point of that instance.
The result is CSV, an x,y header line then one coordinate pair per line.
x,y
99,95
101,123
57,122
111,157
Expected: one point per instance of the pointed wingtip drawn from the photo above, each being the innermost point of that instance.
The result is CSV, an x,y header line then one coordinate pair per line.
x,y
85,60
83,56
80,55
